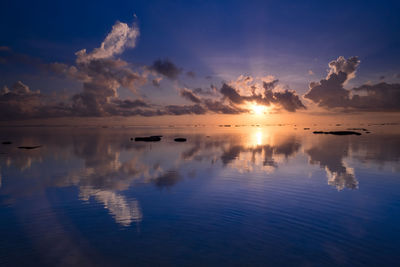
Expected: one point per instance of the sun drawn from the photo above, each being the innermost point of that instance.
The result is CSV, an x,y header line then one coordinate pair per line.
x,y
258,109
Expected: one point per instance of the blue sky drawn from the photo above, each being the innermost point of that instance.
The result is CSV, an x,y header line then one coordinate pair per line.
x,y
222,39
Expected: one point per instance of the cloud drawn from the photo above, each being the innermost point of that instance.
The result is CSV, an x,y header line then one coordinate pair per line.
x,y
330,92
286,99
231,94
121,37
330,154
5,48
347,66
101,78
168,179
377,97
19,100
191,74
102,74
130,103
189,95
156,81
215,104
228,99
211,91
310,72
221,108
166,67
184,109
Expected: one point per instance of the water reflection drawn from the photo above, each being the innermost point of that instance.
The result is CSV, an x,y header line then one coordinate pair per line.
x,y
103,163
329,153
124,212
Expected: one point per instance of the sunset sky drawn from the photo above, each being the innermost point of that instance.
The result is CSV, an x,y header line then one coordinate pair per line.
x,y
155,60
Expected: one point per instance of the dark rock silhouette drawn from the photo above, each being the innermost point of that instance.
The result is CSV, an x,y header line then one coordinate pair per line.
x,y
148,139
28,147
180,139
7,143
338,132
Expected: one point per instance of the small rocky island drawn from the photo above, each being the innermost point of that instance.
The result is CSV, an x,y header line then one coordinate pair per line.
x,y
338,132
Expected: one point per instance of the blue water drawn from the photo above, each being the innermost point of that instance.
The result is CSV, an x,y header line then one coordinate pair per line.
x,y
252,196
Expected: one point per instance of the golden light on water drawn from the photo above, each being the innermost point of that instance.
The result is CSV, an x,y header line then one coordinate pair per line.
x,y
259,137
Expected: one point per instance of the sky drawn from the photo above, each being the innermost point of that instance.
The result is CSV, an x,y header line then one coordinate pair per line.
x,y
209,59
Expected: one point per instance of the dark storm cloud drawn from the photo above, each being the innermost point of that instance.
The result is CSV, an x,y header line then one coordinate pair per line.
x,y
330,92
167,68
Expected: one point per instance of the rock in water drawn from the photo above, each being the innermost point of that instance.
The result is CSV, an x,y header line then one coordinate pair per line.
x,y
180,139
28,147
338,132
148,139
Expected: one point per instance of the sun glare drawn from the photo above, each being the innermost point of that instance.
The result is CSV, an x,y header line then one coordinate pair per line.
x,y
258,109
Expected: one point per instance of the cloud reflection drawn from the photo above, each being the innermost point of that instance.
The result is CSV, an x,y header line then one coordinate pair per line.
x,y
103,163
124,212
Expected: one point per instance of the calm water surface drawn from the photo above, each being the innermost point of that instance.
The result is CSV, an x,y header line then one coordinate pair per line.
x,y
228,196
